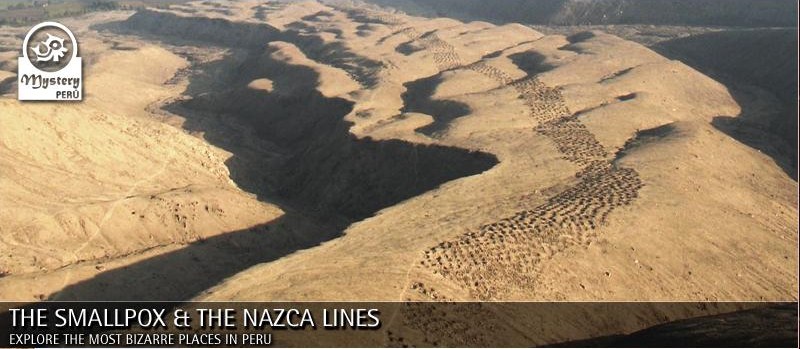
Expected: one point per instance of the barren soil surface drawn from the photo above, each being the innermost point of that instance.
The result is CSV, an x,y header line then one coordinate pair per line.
x,y
338,151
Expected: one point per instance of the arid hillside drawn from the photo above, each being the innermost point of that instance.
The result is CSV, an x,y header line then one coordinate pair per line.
x,y
749,46
242,150
759,67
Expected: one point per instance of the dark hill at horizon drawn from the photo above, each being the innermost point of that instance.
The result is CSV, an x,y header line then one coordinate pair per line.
x,y
742,13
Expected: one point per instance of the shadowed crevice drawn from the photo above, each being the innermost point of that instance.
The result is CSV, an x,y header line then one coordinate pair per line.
x,y
644,137
291,147
532,63
185,273
8,85
418,98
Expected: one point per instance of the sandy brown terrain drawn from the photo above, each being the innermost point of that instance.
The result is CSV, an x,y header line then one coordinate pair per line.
x,y
310,151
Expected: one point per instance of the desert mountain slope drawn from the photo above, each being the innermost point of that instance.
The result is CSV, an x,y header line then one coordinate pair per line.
x,y
760,68
607,161
310,151
749,46
88,184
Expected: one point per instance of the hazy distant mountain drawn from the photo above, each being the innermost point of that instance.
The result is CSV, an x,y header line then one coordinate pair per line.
x,y
751,13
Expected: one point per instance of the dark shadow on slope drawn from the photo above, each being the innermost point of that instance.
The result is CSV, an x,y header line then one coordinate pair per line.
x,y
762,139
580,37
575,40
774,326
759,68
363,33
615,75
365,30
362,15
316,171
408,48
306,29
324,168
413,46
336,54
8,85
320,16
260,12
184,10
203,29
366,27
263,10
302,26
532,63
252,36
645,137
418,99
192,269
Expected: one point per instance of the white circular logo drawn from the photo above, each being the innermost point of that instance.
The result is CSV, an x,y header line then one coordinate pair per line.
x,y
50,46
49,68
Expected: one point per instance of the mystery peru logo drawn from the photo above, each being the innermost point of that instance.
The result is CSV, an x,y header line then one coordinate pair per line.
x,y
50,69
